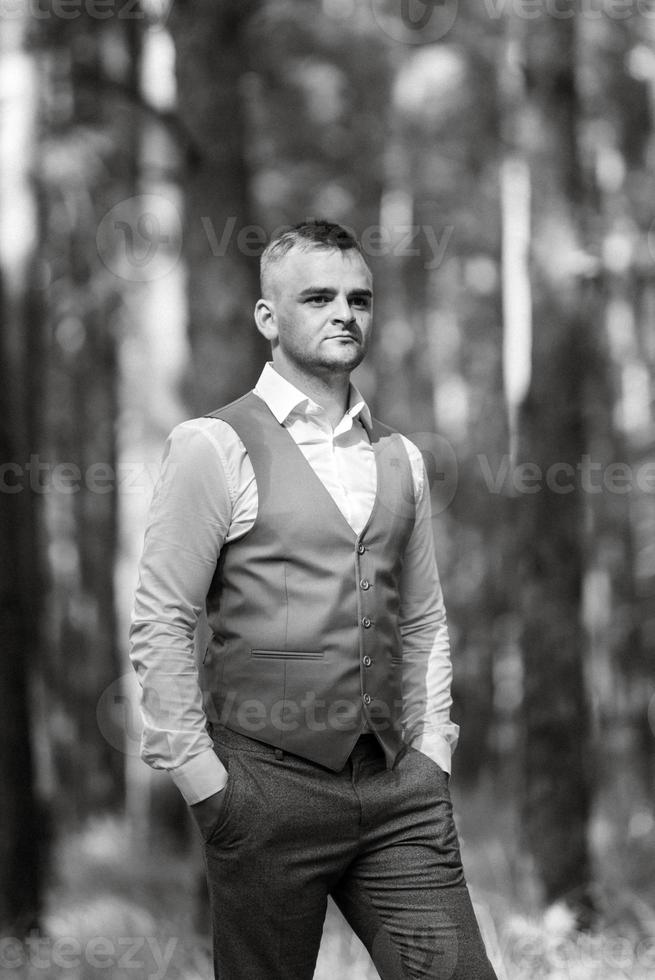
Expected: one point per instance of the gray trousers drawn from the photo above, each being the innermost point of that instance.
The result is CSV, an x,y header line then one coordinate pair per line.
x,y
381,842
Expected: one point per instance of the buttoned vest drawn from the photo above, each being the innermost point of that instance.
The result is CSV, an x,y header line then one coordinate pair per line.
x,y
305,650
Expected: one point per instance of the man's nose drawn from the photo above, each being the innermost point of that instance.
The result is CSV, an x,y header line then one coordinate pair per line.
x,y
342,312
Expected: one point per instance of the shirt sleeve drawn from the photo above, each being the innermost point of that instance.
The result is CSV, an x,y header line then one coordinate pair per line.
x,y
187,524
427,667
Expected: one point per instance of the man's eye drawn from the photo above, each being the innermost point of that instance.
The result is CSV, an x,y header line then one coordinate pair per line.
x,y
318,300
361,302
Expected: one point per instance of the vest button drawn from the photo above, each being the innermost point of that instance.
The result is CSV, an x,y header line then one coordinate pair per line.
x,y
366,623
367,661
367,699
365,584
360,549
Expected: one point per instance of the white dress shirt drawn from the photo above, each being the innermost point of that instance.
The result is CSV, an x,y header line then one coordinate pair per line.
x,y
206,495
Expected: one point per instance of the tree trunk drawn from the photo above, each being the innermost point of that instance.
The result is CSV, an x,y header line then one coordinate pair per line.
x,y
86,166
227,352
551,526
24,826
622,668
22,833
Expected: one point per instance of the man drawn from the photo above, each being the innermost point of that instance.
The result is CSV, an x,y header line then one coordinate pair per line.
x,y
318,763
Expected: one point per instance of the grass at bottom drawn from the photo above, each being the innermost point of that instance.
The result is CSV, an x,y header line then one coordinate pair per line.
x,y
529,942
118,908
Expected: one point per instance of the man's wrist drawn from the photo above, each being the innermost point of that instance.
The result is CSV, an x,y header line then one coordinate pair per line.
x,y
200,777
207,813
437,748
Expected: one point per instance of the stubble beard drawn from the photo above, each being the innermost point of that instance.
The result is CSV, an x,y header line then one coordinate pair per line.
x,y
325,364
338,365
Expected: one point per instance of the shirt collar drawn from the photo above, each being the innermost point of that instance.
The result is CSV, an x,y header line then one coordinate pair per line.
x,y
283,398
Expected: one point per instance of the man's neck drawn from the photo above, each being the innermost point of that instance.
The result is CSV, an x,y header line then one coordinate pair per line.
x,y
331,392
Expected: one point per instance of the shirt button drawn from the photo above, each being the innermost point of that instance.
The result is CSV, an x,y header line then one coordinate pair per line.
x,y
367,699
367,661
360,549
366,622
365,584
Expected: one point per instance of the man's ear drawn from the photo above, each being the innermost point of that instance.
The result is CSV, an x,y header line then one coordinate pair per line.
x,y
265,319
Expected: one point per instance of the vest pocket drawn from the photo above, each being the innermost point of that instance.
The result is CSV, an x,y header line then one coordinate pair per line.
x,y
290,654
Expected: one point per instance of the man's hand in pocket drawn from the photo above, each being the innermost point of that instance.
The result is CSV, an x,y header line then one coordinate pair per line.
x,y
208,811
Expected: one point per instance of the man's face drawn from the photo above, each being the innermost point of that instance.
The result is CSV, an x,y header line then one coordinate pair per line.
x,y
320,310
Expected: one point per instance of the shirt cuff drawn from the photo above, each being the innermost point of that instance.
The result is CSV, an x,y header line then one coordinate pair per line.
x,y
200,777
438,748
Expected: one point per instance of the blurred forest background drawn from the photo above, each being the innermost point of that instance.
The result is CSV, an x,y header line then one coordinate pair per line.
x,y
497,161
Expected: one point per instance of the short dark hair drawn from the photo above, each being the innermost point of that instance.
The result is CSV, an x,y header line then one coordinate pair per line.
x,y
305,236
